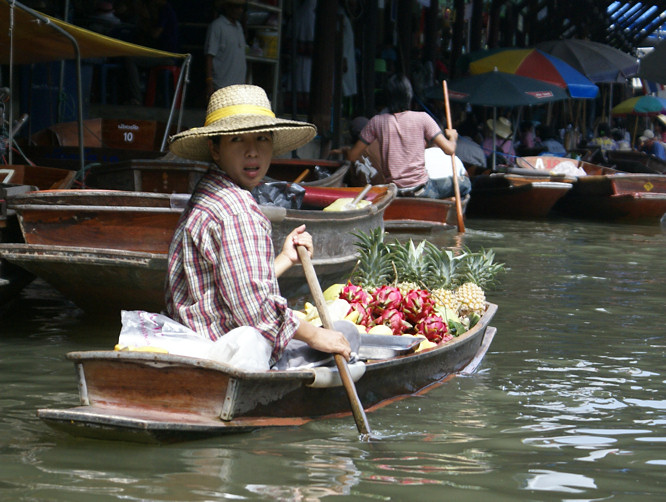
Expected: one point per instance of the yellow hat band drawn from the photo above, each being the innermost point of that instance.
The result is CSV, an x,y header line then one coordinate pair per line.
x,y
229,111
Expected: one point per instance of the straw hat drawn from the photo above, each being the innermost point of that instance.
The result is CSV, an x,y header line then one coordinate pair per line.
x,y
240,109
502,128
662,118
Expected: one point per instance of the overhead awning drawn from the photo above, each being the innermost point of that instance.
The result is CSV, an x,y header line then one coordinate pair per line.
x,y
36,42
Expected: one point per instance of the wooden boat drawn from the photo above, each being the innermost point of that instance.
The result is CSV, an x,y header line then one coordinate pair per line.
x,y
16,180
142,396
168,174
99,281
39,177
66,229
515,195
631,161
604,193
37,39
416,215
171,174
316,172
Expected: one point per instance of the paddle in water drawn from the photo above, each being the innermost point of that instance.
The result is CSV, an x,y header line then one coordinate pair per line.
x,y
456,188
315,288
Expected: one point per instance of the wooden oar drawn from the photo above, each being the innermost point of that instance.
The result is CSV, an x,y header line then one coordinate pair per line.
x,y
315,288
359,197
456,188
302,176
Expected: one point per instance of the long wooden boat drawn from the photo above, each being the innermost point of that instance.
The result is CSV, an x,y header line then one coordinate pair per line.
x,y
171,174
105,141
604,193
67,229
417,215
99,281
311,172
141,396
504,195
16,180
632,161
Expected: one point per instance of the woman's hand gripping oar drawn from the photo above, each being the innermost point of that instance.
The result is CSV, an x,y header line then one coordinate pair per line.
x,y
315,288
456,188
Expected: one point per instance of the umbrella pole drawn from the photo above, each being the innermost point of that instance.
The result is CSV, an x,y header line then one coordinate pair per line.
x,y
494,136
633,136
610,104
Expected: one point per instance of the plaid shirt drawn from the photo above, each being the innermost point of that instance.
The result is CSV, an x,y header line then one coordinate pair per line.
x,y
221,271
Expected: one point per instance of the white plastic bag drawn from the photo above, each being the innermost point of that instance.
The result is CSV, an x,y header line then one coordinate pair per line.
x,y
243,348
146,329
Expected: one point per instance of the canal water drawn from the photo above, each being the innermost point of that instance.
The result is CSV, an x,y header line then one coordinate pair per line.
x,y
568,404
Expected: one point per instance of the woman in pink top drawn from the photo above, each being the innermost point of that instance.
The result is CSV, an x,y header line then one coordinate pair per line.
x,y
403,136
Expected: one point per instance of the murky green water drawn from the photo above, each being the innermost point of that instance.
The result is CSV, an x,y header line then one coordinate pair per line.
x,y
568,404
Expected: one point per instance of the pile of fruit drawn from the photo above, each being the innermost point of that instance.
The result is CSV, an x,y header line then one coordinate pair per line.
x,y
407,289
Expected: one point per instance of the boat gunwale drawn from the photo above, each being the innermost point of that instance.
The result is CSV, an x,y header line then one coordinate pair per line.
x,y
152,358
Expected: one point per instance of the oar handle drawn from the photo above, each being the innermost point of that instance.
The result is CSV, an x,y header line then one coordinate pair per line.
x,y
315,288
302,176
456,188
361,195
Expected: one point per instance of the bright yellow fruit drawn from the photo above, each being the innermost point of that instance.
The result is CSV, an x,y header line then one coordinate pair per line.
x,y
380,329
333,292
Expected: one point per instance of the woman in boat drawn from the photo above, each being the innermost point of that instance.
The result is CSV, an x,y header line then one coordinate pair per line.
x,y
403,136
222,270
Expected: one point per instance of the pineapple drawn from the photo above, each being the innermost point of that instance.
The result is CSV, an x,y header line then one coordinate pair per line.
x,y
442,267
446,298
408,263
374,267
406,287
472,299
480,268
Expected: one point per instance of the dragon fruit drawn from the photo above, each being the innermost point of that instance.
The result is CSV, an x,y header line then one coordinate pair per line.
x,y
395,320
432,327
355,295
387,298
417,304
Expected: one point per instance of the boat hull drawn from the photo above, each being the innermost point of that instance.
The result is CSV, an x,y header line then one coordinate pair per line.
x,y
175,175
514,196
16,180
610,195
81,241
159,397
415,215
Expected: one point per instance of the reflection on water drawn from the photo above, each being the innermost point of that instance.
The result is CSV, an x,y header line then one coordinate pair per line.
x,y
567,405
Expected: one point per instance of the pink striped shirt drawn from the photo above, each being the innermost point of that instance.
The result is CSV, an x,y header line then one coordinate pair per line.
x,y
221,271
402,138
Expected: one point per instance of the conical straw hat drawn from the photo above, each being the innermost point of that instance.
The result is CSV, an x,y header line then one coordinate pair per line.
x,y
240,109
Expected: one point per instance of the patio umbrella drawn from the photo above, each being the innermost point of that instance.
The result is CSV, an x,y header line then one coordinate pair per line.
x,y
601,63
598,62
496,88
653,65
640,105
537,64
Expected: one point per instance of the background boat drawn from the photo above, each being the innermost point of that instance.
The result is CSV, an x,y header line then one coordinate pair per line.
x,y
172,174
631,161
140,396
514,195
74,237
604,193
418,215
16,180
